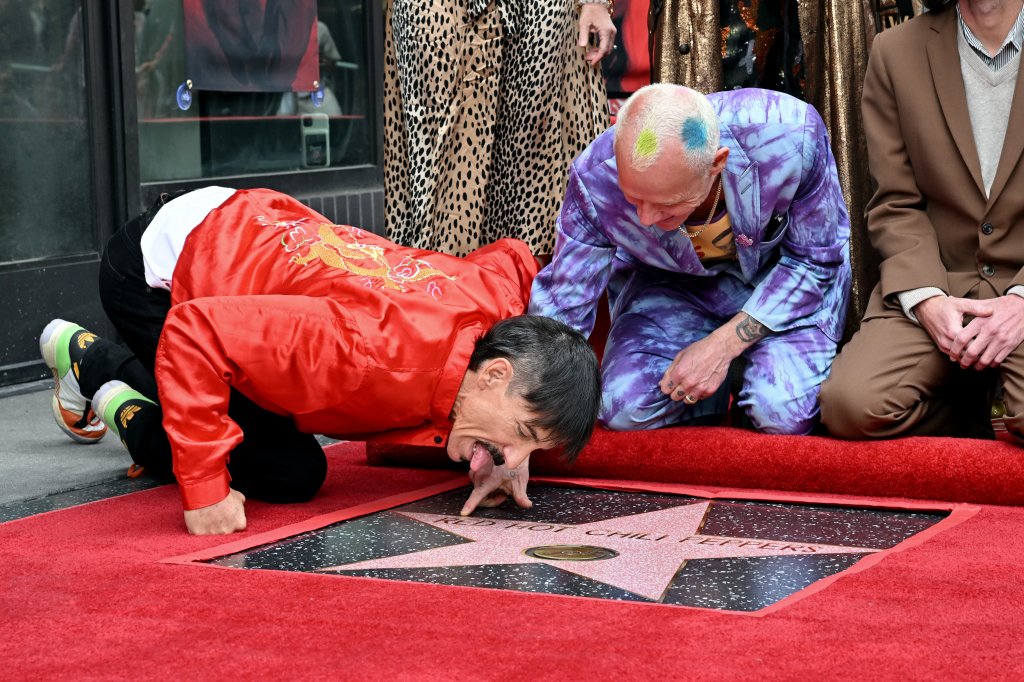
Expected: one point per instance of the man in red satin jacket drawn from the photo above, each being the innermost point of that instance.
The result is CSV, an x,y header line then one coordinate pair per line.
x,y
263,323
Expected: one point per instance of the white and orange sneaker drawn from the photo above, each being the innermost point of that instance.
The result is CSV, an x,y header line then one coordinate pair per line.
x,y
62,345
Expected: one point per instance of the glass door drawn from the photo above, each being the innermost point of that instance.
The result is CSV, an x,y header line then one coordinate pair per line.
x,y
55,172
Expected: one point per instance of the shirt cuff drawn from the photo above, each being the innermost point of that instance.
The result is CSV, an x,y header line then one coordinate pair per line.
x,y
206,492
1016,290
911,297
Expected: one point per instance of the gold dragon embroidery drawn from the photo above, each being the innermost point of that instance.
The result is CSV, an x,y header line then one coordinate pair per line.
x,y
356,258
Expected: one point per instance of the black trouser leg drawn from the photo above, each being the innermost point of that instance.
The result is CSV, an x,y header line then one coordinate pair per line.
x,y
274,462
137,310
146,440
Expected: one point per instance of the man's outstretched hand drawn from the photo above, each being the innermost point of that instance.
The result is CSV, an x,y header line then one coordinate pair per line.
x,y
222,518
493,484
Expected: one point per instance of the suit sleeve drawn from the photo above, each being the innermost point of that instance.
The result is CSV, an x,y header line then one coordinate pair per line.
x,y
569,288
897,223
814,253
273,348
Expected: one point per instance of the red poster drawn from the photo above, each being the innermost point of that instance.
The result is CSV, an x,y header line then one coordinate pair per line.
x,y
251,45
628,68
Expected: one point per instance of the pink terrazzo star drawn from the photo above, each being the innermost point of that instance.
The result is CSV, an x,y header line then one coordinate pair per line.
x,y
652,547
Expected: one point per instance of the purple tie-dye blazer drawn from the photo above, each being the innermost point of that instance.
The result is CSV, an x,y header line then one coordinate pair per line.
x,y
787,211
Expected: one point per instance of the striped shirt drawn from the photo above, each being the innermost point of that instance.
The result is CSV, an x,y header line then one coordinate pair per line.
x,y
1011,44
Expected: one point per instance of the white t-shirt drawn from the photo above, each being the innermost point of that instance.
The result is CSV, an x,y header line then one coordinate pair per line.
x,y
164,238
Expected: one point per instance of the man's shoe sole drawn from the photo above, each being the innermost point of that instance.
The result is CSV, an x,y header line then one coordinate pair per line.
x,y
90,432
85,429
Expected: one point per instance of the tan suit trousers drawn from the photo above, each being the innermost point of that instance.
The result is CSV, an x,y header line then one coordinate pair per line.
x,y
891,380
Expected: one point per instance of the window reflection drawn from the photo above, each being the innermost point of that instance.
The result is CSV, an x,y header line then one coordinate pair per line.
x,y
44,187
242,133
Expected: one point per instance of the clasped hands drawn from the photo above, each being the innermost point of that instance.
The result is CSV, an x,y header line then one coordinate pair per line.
x,y
974,334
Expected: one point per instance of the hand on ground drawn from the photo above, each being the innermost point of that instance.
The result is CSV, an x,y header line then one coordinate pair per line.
x,y
222,518
493,484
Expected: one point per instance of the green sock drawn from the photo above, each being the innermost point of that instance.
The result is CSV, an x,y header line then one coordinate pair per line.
x,y
76,340
121,406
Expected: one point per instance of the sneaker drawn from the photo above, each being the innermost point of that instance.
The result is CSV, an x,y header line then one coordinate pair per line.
x,y
62,345
117,403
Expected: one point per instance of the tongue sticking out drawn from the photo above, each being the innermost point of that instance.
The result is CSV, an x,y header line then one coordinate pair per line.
x,y
480,457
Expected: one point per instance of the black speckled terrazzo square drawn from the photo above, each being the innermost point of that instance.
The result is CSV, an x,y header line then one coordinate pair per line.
x,y
735,555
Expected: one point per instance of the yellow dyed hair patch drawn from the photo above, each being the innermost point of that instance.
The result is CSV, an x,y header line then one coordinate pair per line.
x,y
646,144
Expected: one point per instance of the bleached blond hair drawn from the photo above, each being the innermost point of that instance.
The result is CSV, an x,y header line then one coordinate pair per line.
x,y
658,113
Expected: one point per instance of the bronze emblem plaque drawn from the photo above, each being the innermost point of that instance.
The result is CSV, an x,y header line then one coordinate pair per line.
x,y
683,550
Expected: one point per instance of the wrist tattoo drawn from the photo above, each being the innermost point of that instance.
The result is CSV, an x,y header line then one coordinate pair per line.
x,y
750,330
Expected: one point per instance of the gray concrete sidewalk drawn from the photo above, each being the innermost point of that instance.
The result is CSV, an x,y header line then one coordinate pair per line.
x,y
36,458
41,469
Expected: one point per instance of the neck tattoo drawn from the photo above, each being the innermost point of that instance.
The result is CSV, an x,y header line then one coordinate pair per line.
x,y
711,214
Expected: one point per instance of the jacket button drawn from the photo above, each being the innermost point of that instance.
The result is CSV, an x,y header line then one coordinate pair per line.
x,y
438,439
988,270
684,48
987,228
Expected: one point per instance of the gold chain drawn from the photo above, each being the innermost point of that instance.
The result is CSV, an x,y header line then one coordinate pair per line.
x,y
714,207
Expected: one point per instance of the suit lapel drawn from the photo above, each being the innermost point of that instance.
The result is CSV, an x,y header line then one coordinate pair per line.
x,y
944,62
743,200
1013,143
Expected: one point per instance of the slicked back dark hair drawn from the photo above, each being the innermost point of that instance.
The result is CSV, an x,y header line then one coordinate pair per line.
x,y
554,370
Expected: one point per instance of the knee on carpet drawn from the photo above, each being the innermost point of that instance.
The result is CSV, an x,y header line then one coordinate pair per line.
x,y
300,482
850,413
620,421
306,486
782,419
783,427
630,417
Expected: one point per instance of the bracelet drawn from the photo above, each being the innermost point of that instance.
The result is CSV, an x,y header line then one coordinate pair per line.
x,y
607,4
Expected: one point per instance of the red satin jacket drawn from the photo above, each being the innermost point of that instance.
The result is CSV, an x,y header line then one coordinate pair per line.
x,y
345,332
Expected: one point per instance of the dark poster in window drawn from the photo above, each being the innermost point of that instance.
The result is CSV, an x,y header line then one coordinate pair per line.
x,y
628,67
251,45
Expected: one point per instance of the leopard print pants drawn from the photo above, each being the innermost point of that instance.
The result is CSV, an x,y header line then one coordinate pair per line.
x,y
481,123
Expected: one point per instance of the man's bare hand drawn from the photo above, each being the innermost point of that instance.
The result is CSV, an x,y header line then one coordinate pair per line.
x,y
222,518
493,484
698,370
987,340
943,318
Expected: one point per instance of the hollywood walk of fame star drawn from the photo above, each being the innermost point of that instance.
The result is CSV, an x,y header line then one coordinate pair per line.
x,y
648,549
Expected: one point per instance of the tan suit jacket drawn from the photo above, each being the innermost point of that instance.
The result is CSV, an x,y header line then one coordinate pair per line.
x,y
929,218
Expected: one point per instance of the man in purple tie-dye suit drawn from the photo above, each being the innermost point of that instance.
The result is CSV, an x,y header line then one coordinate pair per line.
x,y
717,226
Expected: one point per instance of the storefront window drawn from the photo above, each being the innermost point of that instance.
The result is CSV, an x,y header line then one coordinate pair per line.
x,y
245,133
44,138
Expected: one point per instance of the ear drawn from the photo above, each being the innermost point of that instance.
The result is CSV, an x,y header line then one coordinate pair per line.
x,y
496,372
718,165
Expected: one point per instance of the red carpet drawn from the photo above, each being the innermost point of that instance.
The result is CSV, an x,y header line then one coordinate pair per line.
x,y
83,595
948,469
